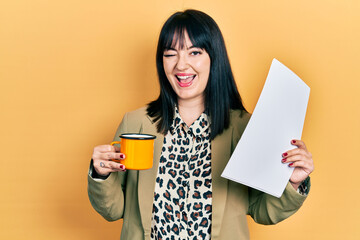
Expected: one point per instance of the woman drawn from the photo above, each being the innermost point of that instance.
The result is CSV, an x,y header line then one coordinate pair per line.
x,y
198,119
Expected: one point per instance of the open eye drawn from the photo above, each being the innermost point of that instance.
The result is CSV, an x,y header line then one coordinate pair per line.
x,y
194,53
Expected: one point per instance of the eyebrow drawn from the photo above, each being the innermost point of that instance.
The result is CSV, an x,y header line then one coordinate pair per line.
x,y
170,48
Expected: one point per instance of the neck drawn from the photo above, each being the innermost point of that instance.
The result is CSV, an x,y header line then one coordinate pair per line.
x,y
190,110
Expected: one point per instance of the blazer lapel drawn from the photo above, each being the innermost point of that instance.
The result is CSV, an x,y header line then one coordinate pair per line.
x,y
220,154
146,181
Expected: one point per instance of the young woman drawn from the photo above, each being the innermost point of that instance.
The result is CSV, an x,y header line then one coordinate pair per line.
x,y
198,119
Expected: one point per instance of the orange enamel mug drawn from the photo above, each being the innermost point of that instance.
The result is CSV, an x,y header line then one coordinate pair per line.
x,y
138,149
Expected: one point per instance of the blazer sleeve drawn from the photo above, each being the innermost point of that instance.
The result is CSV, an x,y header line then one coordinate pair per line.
x,y
107,196
267,209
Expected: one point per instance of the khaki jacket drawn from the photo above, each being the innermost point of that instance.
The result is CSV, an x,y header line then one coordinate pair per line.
x,y
129,195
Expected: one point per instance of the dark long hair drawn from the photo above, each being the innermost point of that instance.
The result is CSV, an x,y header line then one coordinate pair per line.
x,y
221,93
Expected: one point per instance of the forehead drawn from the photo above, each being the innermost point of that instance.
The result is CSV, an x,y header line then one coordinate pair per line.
x,y
179,40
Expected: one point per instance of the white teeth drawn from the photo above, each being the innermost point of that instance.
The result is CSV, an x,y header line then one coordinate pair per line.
x,y
183,77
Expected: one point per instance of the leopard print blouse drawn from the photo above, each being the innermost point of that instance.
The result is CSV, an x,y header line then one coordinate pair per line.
x,y
182,205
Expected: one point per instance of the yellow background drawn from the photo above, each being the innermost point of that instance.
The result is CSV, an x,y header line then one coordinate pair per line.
x,y
70,69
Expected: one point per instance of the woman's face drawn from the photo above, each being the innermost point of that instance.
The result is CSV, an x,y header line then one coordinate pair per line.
x,y
187,70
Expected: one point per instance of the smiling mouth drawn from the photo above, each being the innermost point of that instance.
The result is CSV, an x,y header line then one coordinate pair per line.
x,y
185,81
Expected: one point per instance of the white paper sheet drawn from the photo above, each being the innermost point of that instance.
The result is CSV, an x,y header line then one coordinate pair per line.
x,y
277,119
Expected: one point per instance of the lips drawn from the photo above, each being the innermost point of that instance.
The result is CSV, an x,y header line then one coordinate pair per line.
x,y
184,79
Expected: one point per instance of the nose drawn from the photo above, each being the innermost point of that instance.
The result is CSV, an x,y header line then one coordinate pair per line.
x,y
182,62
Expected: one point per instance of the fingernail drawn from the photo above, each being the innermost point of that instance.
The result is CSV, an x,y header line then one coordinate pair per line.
x,y
122,155
293,141
284,160
284,154
122,167
290,165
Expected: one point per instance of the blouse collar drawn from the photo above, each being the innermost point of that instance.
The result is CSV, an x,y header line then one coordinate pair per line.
x,y
198,127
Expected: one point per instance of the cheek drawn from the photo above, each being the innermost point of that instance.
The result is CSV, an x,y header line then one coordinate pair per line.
x,y
204,66
205,71
168,67
165,68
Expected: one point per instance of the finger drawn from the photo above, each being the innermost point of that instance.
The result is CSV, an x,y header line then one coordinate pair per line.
x,y
109,166
105,148
101,168
109,156
116,166
299,144
306,166
298,151
293,152
295,158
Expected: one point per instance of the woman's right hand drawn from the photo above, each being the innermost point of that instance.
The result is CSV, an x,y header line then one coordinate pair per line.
x,y
102,156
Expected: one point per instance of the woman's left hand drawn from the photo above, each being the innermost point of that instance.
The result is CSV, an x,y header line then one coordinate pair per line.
x,y
301,159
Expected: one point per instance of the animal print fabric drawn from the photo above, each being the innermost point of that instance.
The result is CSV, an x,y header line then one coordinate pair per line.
x,y
183,191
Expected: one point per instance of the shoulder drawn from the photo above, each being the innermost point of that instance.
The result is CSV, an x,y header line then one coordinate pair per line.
x,y
137,114
238,121
239,117
133,120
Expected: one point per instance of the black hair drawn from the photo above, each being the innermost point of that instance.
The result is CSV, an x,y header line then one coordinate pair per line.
x,y
221,93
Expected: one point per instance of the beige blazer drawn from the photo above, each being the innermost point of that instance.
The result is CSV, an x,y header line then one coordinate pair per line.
x,y
129,195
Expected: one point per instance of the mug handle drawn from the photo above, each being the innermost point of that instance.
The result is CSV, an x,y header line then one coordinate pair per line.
x,y
112,144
